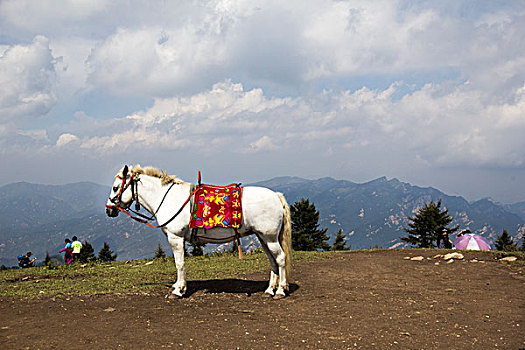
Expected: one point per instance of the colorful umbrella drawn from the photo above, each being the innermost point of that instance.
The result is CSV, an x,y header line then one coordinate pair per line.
x,y
471,242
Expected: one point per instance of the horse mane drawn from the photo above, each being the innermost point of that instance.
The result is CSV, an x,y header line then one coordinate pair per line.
x,y
161,174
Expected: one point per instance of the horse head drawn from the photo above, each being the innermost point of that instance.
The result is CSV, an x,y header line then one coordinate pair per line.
x,y
121,192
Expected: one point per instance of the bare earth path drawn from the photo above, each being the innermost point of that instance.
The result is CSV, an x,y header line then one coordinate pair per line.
x,y
361,300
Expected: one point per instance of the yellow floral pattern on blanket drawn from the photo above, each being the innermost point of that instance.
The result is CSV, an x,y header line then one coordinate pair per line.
x,y
217,206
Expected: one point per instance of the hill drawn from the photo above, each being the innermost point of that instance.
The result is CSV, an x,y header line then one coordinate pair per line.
x,y
374,213
39,217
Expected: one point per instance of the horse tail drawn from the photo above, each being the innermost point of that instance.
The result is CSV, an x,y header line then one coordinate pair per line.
x,y
285,237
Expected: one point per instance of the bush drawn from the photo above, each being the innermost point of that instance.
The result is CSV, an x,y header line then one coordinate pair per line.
x,y
105,254
159,253
505,242
87,253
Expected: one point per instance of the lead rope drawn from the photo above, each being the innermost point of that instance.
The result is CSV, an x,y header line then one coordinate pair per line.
x,y
164,224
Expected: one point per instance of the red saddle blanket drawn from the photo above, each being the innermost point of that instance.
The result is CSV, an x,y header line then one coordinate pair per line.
x,y
217,206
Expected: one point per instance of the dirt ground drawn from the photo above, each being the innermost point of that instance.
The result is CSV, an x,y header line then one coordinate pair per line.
x,y
362,300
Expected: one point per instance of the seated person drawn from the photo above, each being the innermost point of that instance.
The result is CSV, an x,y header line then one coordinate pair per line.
x,y
464,231
27,260
443,240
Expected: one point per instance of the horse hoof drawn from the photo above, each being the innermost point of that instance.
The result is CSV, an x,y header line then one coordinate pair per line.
x,y
175,295
279,296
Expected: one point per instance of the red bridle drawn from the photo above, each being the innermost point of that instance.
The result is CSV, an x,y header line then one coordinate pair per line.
x,y
123,186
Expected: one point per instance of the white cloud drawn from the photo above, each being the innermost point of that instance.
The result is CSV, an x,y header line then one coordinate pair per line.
x,y
27,80
340,84
66,138
161,49
161,61
460,128
226,110
4,130
438,124
37,135
71,55
265,143
35,16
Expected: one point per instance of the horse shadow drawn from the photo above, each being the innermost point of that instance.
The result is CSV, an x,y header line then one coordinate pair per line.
x,y
230,285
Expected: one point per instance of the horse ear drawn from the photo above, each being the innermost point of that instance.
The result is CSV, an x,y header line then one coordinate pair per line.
x,y
125,171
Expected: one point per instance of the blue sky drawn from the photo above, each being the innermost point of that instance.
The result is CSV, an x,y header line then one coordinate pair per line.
x,y
431,93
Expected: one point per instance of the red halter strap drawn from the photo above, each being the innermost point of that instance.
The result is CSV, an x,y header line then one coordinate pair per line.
x,y
124,184
136,218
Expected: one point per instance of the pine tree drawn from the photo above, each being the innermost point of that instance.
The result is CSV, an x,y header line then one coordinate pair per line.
x,y
105,254
47,259
87,253
522,248
305,228
339,241
426,226
159,253
51,262
505,243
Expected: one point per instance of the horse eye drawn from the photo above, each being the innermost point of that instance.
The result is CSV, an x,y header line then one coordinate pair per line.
x,y
115,188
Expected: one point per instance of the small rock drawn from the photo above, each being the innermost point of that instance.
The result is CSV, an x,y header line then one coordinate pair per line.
x,y
149,263
509,258
417,258
450,261
109,309
406,258
449,256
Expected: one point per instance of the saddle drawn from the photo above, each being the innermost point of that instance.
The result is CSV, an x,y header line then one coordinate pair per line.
x,y
217,206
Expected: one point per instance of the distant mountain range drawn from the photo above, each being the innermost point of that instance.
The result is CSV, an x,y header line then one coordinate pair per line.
x,y
39,217
374,213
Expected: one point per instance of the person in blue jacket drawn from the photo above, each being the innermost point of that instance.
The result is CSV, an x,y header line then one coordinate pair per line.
x,y
27,260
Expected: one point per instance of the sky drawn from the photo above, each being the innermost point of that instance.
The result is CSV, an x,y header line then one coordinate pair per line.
x,y
428,92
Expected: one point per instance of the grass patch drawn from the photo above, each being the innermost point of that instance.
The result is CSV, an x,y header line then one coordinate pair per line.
x,y
136,276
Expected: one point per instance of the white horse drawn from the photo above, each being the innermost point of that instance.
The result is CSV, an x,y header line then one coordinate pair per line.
x,y
265,214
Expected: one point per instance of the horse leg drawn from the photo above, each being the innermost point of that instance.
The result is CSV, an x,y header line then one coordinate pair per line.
x,y
274,272
177,245
277,259
278,254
